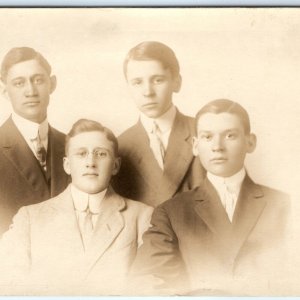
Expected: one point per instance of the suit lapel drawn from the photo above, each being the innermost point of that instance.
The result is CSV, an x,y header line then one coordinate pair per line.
x,y
142,155
178,155
109,225
210,209
65,225
20,155
249,208
55,154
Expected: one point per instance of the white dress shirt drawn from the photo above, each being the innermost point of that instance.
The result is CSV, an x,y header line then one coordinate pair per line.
x,y
82,201
30,130
164,122
228,189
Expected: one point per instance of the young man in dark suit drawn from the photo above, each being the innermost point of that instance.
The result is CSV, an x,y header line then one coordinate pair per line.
x,y
31,151
227,236
157,158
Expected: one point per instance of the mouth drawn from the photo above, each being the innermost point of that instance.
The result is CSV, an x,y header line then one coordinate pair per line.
x,y
90,174
32,103
150,105
218,160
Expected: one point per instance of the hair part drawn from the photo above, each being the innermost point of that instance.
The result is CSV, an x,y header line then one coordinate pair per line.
x,y
20,54
225,106
152,50
85,125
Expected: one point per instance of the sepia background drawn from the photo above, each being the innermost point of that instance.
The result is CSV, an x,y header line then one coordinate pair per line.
x,y
251,56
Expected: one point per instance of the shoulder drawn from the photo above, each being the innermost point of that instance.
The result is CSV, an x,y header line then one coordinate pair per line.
x,y
180,203
274,196
137,206
130,133
56,133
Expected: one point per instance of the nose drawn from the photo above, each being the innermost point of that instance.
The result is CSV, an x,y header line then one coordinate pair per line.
x,y
90,160
148,89
217,144
30,89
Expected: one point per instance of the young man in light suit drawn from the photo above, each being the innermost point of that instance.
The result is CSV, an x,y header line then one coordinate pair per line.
x,y
83,241
157,158
227,236
31,151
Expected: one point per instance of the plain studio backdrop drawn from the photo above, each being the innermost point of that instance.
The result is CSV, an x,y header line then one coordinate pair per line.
x,y
251,56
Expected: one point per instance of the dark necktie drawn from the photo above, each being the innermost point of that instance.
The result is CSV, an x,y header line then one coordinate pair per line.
x,y
41,153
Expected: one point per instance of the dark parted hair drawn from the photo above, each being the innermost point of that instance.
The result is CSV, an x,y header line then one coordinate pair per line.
x,y
85,125
20,54
152,50
225,106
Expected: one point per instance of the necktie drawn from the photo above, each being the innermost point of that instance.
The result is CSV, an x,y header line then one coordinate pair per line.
x,y
157,145
41,153
228,199
86,226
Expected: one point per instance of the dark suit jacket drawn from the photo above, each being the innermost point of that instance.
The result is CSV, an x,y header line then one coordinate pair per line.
x,y
141,178
22,180
193,245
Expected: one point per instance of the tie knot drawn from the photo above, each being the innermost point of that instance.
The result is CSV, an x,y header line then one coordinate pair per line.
x,y
155,128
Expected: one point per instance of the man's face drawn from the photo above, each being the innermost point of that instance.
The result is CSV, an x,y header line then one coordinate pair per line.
x,y
222,143
28,87
91,161
151,86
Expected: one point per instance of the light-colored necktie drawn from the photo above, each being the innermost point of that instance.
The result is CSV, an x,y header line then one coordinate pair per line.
x,y
86,226
228,199
41,153
157,145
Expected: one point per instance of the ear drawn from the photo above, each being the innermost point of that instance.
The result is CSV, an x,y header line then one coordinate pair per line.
x,y
117,165
177,83
52,83
3,90
66,163
251,143
195,146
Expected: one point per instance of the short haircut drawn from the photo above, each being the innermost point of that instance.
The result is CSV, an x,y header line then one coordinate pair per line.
x,y
17,55
225,106
152,50
85,125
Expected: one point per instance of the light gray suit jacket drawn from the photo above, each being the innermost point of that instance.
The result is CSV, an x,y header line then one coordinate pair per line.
x,y
44,251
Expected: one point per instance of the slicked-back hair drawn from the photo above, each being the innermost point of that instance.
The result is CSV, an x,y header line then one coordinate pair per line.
x,y
225,106
20,54
152,50
85,125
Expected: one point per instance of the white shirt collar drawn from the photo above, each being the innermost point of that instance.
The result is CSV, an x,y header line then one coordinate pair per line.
x,y
83,200
29,129
233,182
164,122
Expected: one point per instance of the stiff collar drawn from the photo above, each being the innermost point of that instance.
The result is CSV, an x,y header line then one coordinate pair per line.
x,y
29,129
233,182
82,200
164,122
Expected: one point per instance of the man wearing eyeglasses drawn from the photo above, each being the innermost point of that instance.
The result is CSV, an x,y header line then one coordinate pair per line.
x,y
83,241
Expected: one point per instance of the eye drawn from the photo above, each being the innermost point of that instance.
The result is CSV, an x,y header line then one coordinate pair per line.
x,y
81,153
158,80
136,82
205,136
18,83
101,153
231,136
38,80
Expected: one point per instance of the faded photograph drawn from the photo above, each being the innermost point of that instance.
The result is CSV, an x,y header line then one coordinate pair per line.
x,y
149,152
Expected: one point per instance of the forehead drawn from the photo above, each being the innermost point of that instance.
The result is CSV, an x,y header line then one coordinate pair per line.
x,y
141,68
25,69
91,140
219,122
